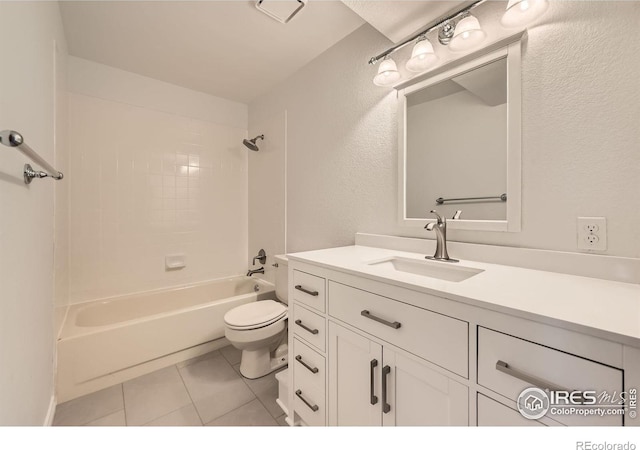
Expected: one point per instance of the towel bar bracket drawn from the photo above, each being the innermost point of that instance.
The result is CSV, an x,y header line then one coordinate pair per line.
x,y
14,139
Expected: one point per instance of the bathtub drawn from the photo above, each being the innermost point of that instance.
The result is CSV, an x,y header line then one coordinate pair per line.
x,y
105,342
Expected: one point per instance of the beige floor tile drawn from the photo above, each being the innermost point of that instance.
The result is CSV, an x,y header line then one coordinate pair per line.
x,y
188,362
231,354
154,395
116,419
266,389
88,408
184,417
251,414
215,387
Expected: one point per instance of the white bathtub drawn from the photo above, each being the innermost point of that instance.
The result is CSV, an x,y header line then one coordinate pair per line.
x,y
105,342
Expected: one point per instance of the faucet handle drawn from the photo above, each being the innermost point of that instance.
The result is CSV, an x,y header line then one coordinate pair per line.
x,y
261,256
439,217
457,215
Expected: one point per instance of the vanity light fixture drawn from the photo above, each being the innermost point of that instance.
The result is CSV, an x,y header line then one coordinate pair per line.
x,y
457,29
422,56
468,34
387,73
522,12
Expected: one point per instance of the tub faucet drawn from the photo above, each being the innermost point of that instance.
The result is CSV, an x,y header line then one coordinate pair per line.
x,y
440,227
251,272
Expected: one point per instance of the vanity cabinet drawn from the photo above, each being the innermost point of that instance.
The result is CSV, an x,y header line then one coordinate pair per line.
x,y
372,384
364,352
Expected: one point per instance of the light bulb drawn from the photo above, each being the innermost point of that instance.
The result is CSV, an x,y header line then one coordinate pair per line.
x,y
387,73
521,12
422,56
468,34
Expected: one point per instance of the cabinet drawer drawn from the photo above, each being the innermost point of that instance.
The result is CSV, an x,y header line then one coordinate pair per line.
x,y
494,414
432,336
309,289
309,326
309,404
547,366
308,366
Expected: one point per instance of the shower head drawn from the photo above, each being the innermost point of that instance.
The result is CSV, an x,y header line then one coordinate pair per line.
x,y
251,143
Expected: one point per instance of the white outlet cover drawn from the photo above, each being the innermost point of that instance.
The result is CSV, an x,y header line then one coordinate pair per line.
x,y
588,228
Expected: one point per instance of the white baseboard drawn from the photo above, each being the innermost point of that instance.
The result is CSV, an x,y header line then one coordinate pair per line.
x,y
51,412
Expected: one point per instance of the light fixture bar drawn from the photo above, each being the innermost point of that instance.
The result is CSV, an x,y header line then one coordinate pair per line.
x,y
452,14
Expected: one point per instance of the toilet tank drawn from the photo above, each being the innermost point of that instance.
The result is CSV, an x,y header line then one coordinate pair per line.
x,y
282,278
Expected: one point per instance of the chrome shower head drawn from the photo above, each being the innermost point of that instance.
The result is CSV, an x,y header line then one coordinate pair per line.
x,y
251,143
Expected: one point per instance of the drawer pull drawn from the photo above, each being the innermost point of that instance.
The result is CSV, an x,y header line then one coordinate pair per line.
x,y
306,291
503,367
374,364
311,369
386,407
312,331
313,408
368,315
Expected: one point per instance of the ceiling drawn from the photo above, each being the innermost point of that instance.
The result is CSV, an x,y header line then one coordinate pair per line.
x,y
398,19
225,48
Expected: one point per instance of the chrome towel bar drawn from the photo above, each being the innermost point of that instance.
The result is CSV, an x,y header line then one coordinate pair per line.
x,y
14,139
441,200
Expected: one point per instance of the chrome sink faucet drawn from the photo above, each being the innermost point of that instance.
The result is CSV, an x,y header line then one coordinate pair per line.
x,y
440,227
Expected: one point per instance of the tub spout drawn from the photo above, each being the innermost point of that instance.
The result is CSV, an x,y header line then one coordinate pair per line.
x,y
251,272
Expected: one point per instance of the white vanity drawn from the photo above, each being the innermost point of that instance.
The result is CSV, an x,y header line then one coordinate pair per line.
x,y
381,336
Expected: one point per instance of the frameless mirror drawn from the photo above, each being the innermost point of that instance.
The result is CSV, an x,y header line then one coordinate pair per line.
x,y
460,144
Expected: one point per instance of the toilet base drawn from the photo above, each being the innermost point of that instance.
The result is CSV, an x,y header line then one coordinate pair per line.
x,y
261,362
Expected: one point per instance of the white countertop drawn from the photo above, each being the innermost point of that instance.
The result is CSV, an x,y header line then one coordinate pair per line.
x,y
606,309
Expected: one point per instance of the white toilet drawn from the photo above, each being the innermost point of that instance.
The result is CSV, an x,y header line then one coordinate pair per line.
x,y
259,329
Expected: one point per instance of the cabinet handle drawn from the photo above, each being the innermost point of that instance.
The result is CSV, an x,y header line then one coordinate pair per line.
x,y
313,408
306,291
312,331
374,364
503,367
368,315
386,407
311,369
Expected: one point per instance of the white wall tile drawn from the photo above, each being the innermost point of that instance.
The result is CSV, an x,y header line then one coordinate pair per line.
x,y
139,192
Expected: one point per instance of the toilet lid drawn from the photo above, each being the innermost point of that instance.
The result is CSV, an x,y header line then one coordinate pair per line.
x,y
255,314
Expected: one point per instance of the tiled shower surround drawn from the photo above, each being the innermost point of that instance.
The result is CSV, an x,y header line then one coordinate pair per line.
x,y
145,184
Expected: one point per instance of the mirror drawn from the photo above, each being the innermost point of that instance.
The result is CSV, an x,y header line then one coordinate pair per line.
x,y
460,144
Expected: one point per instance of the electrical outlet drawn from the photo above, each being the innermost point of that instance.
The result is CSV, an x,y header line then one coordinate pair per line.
x,y
592,233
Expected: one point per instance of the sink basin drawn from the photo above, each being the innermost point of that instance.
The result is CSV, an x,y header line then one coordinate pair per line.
x,y
432,269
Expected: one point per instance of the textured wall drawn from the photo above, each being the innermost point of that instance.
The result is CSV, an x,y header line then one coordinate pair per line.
x,y
580,135
146,183
27,93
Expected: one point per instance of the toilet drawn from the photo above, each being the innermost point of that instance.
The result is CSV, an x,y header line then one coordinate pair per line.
x,y
259,329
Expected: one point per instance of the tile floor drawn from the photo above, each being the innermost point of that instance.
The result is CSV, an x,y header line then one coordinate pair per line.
x,y
205,390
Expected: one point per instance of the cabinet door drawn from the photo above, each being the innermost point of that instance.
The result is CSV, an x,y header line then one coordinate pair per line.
x,y
418,395
354,364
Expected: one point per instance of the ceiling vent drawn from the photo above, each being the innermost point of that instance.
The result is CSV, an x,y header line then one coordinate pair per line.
x,y
281,10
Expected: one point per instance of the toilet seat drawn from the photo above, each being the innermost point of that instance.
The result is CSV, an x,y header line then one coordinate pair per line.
x,y
255,315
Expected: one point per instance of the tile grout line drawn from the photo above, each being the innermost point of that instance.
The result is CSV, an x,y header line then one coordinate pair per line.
x,y
234,409
189,394
256,395
124,405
